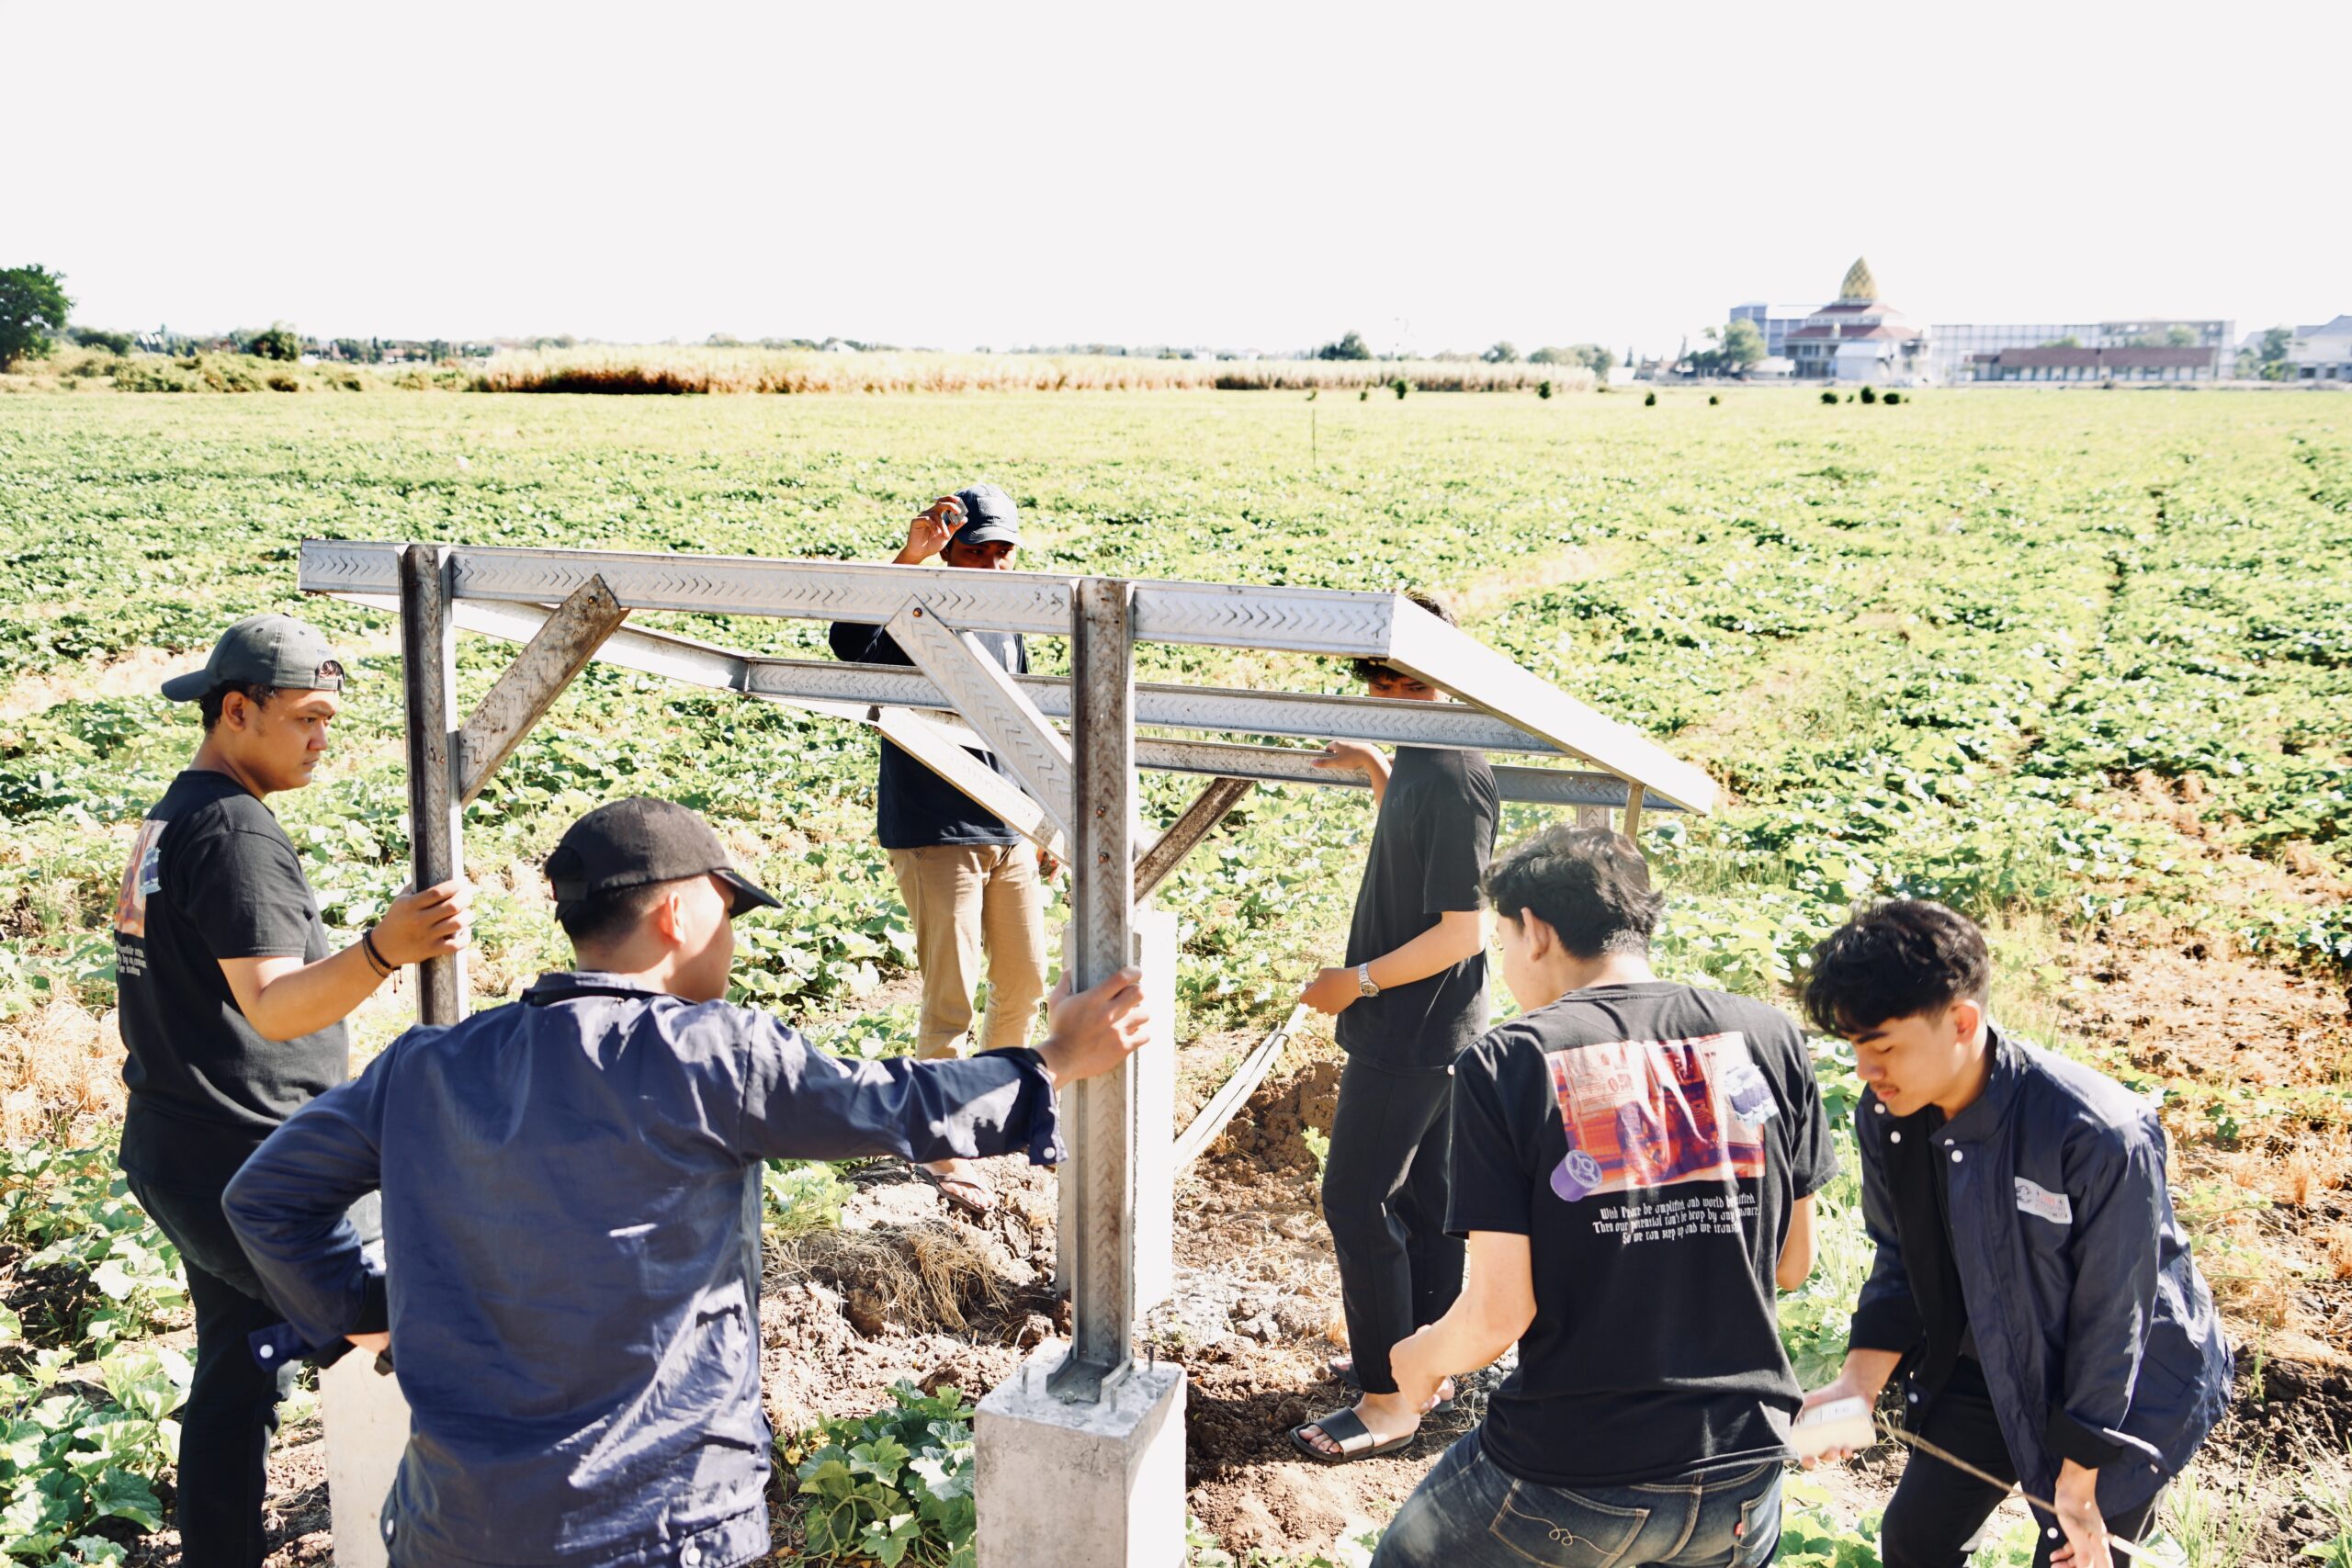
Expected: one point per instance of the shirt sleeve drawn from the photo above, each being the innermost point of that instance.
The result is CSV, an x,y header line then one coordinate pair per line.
x,y
1457,835
1812,1151
1491,1158
2115,1185
799,1103
855,643
245,891
1886,1316
289,1206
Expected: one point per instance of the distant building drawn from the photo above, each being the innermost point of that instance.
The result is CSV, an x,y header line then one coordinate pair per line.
x,y
1960,348
2095,364
1775,321
2322,353
1857,337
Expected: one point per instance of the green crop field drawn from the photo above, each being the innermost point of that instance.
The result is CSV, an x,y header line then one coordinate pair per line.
x,y
2079,663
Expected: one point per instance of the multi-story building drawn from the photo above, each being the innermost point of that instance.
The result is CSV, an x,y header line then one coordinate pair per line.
x,y
2053,363
1775,321
1858,337
2322,353
1959,349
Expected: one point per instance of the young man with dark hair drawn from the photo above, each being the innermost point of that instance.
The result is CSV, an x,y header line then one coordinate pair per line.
x,y
231,1019
571,1195
1634,1162
1410,996
974,888
2031,1281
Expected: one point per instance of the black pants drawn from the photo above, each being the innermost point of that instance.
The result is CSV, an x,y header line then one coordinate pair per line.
x,y
231,1410
1385,1187
1937,1510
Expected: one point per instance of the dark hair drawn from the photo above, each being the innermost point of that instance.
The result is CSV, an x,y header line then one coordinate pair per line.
x,y
603,919
1897,958
1374,669
207,706
1587,884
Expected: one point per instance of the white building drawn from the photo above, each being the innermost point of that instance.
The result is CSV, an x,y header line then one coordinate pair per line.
x,y
2322,353
1960,350
1858,337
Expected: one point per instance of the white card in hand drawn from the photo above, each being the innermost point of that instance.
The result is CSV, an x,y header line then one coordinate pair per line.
x,y
1840,1423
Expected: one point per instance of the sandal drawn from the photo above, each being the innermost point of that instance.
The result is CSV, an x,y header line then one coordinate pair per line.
x,y
1345,1427
1343,1370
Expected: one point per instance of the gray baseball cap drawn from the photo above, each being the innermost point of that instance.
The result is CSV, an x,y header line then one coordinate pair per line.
x,y
989,517
268,650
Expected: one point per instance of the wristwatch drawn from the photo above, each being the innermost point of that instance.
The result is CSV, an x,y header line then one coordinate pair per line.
x,y
1365,987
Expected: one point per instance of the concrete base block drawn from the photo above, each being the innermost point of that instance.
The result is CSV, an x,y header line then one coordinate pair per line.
x,y
1081,1485
1154,933
366,1432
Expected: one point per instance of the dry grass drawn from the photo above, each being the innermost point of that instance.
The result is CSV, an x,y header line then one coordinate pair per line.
x,y
926,1279
57,1063
679,370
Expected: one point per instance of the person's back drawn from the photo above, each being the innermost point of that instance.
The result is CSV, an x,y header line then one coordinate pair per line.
x,y
570,1213
573,1210
1650,1139
1634,1167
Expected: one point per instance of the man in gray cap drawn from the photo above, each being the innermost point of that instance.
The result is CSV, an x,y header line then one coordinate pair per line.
x,y
231,1018
972,885
570,1189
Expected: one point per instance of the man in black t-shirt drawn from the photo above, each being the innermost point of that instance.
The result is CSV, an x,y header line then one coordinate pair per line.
x,y
974,888
231,1018
1634,1162
1411,994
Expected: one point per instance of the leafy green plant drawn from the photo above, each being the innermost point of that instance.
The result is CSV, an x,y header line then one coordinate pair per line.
x,y
68,1459
895,1487
802,1196
72,1208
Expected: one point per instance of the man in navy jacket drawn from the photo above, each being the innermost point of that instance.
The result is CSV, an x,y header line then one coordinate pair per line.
x,y
2031,1281
571,1200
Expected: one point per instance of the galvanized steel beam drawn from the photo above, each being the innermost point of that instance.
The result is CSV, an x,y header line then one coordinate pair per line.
x,y
429,680
982,691
1102,1108
559,650
1281,765
1196,822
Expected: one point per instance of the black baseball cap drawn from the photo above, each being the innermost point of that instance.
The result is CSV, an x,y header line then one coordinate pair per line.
x,y
989,517
268,650
633,842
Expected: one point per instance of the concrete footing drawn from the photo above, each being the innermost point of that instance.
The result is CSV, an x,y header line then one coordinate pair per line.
x,y
366,1432
1098,1485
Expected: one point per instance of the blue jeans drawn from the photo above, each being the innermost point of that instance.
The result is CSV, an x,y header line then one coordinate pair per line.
x,y
1466,1513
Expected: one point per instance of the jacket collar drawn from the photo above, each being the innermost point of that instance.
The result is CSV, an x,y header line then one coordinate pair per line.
x,y
1990,1108
562,987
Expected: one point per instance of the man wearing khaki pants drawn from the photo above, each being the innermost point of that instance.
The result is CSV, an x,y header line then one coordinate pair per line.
x,y
973,885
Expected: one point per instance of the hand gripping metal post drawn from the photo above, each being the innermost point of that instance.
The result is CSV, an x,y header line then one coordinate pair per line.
x,y
1102,1110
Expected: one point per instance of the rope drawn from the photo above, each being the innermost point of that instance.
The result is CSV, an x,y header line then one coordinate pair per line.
x,y
2135,1553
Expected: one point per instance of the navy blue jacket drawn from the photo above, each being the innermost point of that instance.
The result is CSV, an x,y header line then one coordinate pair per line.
x,y
571,1205
914,808
2097,1337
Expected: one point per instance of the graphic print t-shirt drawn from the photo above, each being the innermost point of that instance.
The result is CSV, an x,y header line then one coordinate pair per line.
x,y
211,876
1648,1140
1430,847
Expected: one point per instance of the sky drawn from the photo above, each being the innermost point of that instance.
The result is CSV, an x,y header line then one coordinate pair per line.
x,y
1261,175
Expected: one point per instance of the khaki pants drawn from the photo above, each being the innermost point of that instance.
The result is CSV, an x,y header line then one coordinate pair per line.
x,y
967,899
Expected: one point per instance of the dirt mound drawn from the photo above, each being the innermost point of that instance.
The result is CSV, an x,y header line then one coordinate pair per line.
x,y
1269,1131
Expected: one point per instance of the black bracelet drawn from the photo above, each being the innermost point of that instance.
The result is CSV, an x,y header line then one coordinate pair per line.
x,y
375,959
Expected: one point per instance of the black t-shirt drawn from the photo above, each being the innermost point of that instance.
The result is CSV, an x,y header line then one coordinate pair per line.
x,y
211,876
1430,847
1648,1140
913,806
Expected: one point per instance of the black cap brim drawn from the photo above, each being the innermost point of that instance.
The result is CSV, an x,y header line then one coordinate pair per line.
x,y
190,687
986,533
749,895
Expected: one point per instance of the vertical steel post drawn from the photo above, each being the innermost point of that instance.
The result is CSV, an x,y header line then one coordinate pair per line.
x,y
429,670
1103,1111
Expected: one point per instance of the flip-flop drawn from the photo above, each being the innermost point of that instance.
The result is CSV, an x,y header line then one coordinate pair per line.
x,y
957,1191
1345,1427
1345,1373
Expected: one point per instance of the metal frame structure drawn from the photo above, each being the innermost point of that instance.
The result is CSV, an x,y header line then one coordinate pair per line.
x,y
1075,792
